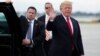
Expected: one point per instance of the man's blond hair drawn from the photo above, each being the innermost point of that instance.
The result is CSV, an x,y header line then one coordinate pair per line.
x,y
65,3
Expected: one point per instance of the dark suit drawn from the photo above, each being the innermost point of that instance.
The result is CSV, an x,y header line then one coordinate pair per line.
x,y
46,43
42,18
38,35
61,42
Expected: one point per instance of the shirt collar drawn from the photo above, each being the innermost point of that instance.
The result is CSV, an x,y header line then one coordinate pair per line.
x,y
65,17
30,21
47,15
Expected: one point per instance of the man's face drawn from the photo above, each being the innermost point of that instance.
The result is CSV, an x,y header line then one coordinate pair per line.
x,y
66,9
48,8
31,13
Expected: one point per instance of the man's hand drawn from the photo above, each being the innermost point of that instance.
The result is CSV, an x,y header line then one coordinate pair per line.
x,y
47,35
26,41
52,14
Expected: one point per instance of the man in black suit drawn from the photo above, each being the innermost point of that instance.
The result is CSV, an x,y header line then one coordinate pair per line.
x,y
66,39
44,19
32,34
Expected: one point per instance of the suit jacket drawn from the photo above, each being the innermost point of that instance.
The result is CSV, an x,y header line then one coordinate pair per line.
x,y
46,43
38,35
61,42
42,19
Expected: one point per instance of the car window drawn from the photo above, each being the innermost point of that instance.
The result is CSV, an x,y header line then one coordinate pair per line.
x,y
4,29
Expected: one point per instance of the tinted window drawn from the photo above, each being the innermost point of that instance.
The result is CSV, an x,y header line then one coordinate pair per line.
x,y
4,29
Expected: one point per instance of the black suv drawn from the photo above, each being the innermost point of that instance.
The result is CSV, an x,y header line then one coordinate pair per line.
x,y
9,29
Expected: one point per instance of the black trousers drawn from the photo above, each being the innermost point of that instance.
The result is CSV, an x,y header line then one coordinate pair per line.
x,y
47,45
27,51
75,53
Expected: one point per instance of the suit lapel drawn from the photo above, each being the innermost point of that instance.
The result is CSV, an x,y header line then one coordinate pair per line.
x,y
66,26
64,23
24,25
73,24
43,19
35,27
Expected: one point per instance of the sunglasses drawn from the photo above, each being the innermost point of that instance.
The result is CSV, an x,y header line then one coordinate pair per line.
x,y
47,7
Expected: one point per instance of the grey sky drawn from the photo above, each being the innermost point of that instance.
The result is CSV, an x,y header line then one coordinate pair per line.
x,y
78,5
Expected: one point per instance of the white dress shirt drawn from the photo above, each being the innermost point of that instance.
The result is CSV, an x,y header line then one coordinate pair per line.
x,y
50,32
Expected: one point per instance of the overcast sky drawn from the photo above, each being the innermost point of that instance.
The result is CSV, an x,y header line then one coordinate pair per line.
x,y
78,5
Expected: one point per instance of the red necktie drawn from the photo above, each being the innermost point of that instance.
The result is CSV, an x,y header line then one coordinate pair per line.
x,y
69,25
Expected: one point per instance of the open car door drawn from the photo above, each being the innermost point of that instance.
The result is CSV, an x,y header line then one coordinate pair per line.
x,y
9,29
